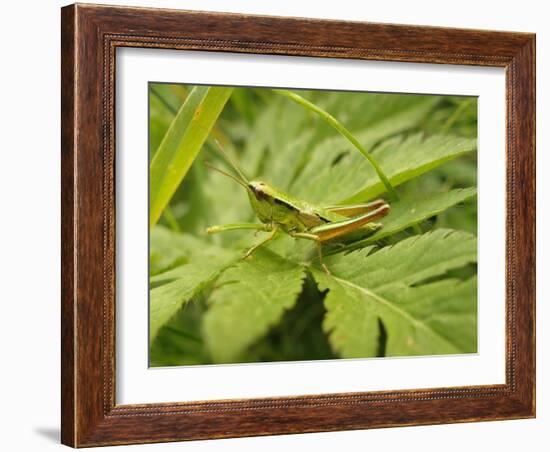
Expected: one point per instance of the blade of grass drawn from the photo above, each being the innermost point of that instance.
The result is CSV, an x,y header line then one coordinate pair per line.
x,y
182,143
162,100
171,218
215,134
456,115
332,121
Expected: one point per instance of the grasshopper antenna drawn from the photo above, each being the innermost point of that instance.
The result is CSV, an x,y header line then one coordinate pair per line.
x,y
231,162
236,179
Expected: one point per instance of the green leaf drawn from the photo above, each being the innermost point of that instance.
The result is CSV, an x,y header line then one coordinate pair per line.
x,y
249,299
410,211
348,178
379,113
386,285
175,287
266,150
182,143
447,307
342,130
370,117
406,159
285,161
179,341
168,249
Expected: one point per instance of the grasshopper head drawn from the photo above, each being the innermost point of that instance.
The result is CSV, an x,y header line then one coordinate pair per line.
x,y
260,189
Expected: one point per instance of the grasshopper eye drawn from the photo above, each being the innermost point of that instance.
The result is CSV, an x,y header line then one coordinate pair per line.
x,y
259,194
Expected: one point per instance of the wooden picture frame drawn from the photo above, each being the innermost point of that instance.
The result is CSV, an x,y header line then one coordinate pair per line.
x,y
90,36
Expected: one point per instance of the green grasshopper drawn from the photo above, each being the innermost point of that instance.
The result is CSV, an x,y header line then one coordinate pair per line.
x,y
278,211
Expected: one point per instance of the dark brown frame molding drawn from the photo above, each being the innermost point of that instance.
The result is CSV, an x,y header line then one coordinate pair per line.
x,y
90,35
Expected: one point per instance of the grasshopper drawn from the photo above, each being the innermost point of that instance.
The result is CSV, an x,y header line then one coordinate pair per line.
x,y
281,212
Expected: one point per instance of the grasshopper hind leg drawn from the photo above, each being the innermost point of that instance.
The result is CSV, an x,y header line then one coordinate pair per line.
x,y
320,253
317,240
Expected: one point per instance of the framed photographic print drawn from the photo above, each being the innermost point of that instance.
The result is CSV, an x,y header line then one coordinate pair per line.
x,y
282,225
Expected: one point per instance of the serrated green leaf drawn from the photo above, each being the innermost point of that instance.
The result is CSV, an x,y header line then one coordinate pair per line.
x,y
371,116
410,211
351,179
406,159
249,299
282,163
171,289
351,322
383,114
179,341
168,249
447,308
185,282
385,285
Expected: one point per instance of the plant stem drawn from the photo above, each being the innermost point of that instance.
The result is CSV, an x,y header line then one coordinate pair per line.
x,y
332,121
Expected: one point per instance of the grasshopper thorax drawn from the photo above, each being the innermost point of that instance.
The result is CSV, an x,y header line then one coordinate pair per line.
x,y
273,206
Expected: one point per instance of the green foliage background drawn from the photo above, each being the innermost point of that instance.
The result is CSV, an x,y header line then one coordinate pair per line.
x,y
410,289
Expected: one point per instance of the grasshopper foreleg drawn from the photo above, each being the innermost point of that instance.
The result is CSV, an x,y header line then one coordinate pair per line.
x,y
239,226
273,229
263,242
